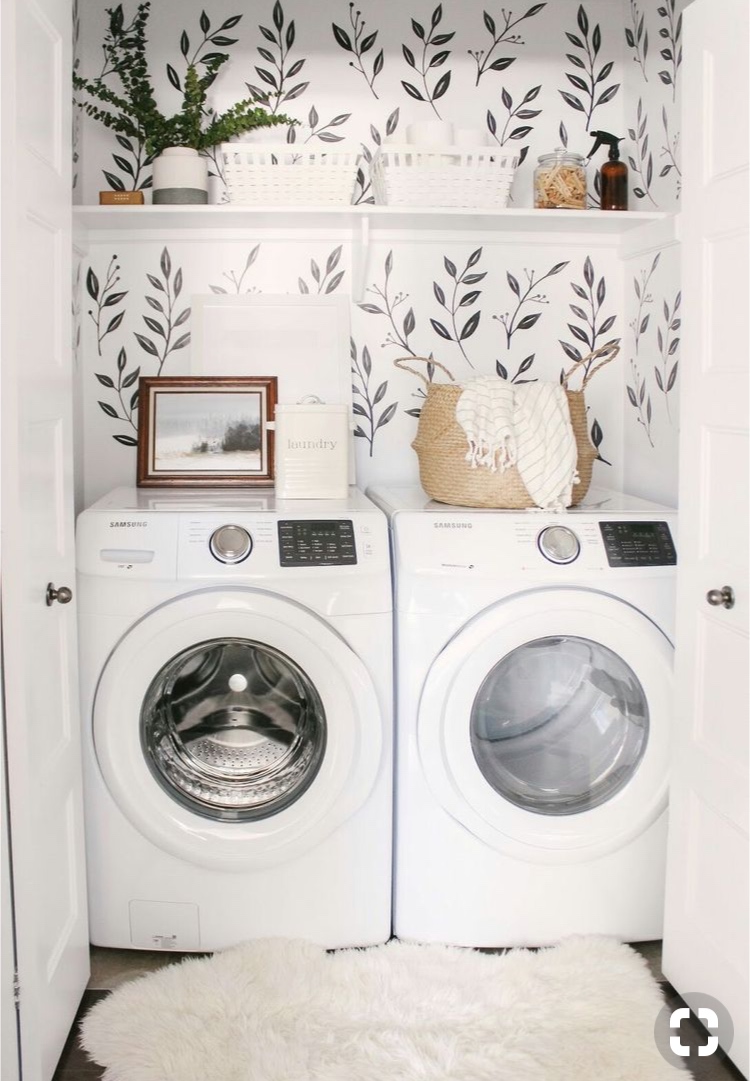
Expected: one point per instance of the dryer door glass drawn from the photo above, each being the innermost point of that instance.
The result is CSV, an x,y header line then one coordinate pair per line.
x,y
559,725
233,729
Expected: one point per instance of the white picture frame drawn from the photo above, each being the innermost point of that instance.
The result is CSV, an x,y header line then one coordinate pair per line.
x,y
304,340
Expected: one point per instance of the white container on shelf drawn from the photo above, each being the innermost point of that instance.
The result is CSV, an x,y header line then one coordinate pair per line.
x,y
469,138
311,450
430,133
286,174
451,176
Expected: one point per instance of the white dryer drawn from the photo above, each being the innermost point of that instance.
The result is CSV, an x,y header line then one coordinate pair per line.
x,y
533,712
236,687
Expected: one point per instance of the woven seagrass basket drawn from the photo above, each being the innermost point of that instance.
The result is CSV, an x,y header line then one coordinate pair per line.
x,y
440,444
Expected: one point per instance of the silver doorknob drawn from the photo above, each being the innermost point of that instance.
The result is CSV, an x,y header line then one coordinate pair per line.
x,y
721,598
63,595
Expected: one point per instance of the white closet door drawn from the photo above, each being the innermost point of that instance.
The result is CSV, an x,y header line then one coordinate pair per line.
x,y
707,914
9,1066
39,652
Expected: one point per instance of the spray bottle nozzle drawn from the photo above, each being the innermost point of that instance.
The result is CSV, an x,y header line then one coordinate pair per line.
x,y
605,137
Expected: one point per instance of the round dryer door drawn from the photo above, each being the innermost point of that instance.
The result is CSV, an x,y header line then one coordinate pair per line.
x,y
236,728
544,724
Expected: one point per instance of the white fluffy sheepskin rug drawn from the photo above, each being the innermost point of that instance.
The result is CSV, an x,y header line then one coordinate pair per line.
x,y
286,1010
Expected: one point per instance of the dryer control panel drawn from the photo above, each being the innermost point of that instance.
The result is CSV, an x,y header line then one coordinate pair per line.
x,y
638,544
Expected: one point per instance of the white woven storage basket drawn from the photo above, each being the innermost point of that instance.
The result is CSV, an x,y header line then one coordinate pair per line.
x,y
283,174
442,176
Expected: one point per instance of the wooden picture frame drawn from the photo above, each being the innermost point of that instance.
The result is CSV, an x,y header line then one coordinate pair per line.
x,y
206,431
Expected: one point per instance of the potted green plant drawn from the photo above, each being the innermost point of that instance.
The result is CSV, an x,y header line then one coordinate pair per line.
x,y
176,142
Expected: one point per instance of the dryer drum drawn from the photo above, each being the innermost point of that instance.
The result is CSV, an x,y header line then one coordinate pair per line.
x,y
559,725
233,729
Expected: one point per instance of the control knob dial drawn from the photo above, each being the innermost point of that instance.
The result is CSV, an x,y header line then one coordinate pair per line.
x,y
230,544
559,544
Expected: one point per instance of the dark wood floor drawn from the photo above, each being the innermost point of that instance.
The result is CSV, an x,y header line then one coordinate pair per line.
x,y
692,1032
74,1065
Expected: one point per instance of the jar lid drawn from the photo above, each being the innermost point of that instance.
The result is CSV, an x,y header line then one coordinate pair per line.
x,y
561,154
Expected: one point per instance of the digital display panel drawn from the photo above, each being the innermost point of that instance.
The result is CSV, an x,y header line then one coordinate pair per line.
x,y
316,543
638,544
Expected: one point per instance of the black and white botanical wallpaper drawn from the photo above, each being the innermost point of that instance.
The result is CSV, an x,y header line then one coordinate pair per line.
x,y
522,307
651,334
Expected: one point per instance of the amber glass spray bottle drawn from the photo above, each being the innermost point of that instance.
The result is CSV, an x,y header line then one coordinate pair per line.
x,y
614,173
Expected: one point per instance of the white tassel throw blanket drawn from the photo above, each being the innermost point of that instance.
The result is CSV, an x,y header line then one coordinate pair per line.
x,y
485,412
546,450
527,426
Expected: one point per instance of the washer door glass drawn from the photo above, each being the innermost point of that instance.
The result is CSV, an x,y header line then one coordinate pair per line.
x,y
233,729
559,725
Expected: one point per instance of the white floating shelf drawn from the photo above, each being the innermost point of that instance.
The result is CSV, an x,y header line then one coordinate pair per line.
x,y
553,223
631,232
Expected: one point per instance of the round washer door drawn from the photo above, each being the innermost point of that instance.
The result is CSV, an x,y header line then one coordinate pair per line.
x,y
544,725
236,729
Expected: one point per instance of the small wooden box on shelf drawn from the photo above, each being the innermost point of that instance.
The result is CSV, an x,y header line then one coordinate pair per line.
x,y
120,198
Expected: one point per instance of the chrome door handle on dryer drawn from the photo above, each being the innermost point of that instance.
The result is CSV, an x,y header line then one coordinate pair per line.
x,y
63,595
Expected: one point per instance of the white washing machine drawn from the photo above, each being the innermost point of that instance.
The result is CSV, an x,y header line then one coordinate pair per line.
x,y
236,661
534,697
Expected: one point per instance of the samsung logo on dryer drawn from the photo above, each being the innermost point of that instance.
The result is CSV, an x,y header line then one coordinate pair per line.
x,y
453,525
128,525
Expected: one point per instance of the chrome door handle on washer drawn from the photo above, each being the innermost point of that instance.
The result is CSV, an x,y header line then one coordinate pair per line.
x,y
721,598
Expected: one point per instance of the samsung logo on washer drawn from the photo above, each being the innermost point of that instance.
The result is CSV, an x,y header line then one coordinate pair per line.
x,y
128,525
453,525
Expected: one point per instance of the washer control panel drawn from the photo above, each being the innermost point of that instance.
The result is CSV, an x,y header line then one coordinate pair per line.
x,y
230,544
299,541
559,544
638,544
308,543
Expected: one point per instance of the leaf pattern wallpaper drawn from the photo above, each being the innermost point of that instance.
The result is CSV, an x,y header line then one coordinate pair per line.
x,y
523,307
651,281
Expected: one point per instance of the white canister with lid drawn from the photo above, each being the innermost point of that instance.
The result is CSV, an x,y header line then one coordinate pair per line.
x,y
311,450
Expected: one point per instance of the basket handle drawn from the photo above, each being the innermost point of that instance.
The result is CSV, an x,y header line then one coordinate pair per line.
x,y
401,362
607,352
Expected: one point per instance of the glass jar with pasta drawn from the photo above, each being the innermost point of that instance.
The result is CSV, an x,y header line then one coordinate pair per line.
x,y
560,181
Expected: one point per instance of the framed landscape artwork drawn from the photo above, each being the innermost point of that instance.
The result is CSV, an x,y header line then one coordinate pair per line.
x,y
206,431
